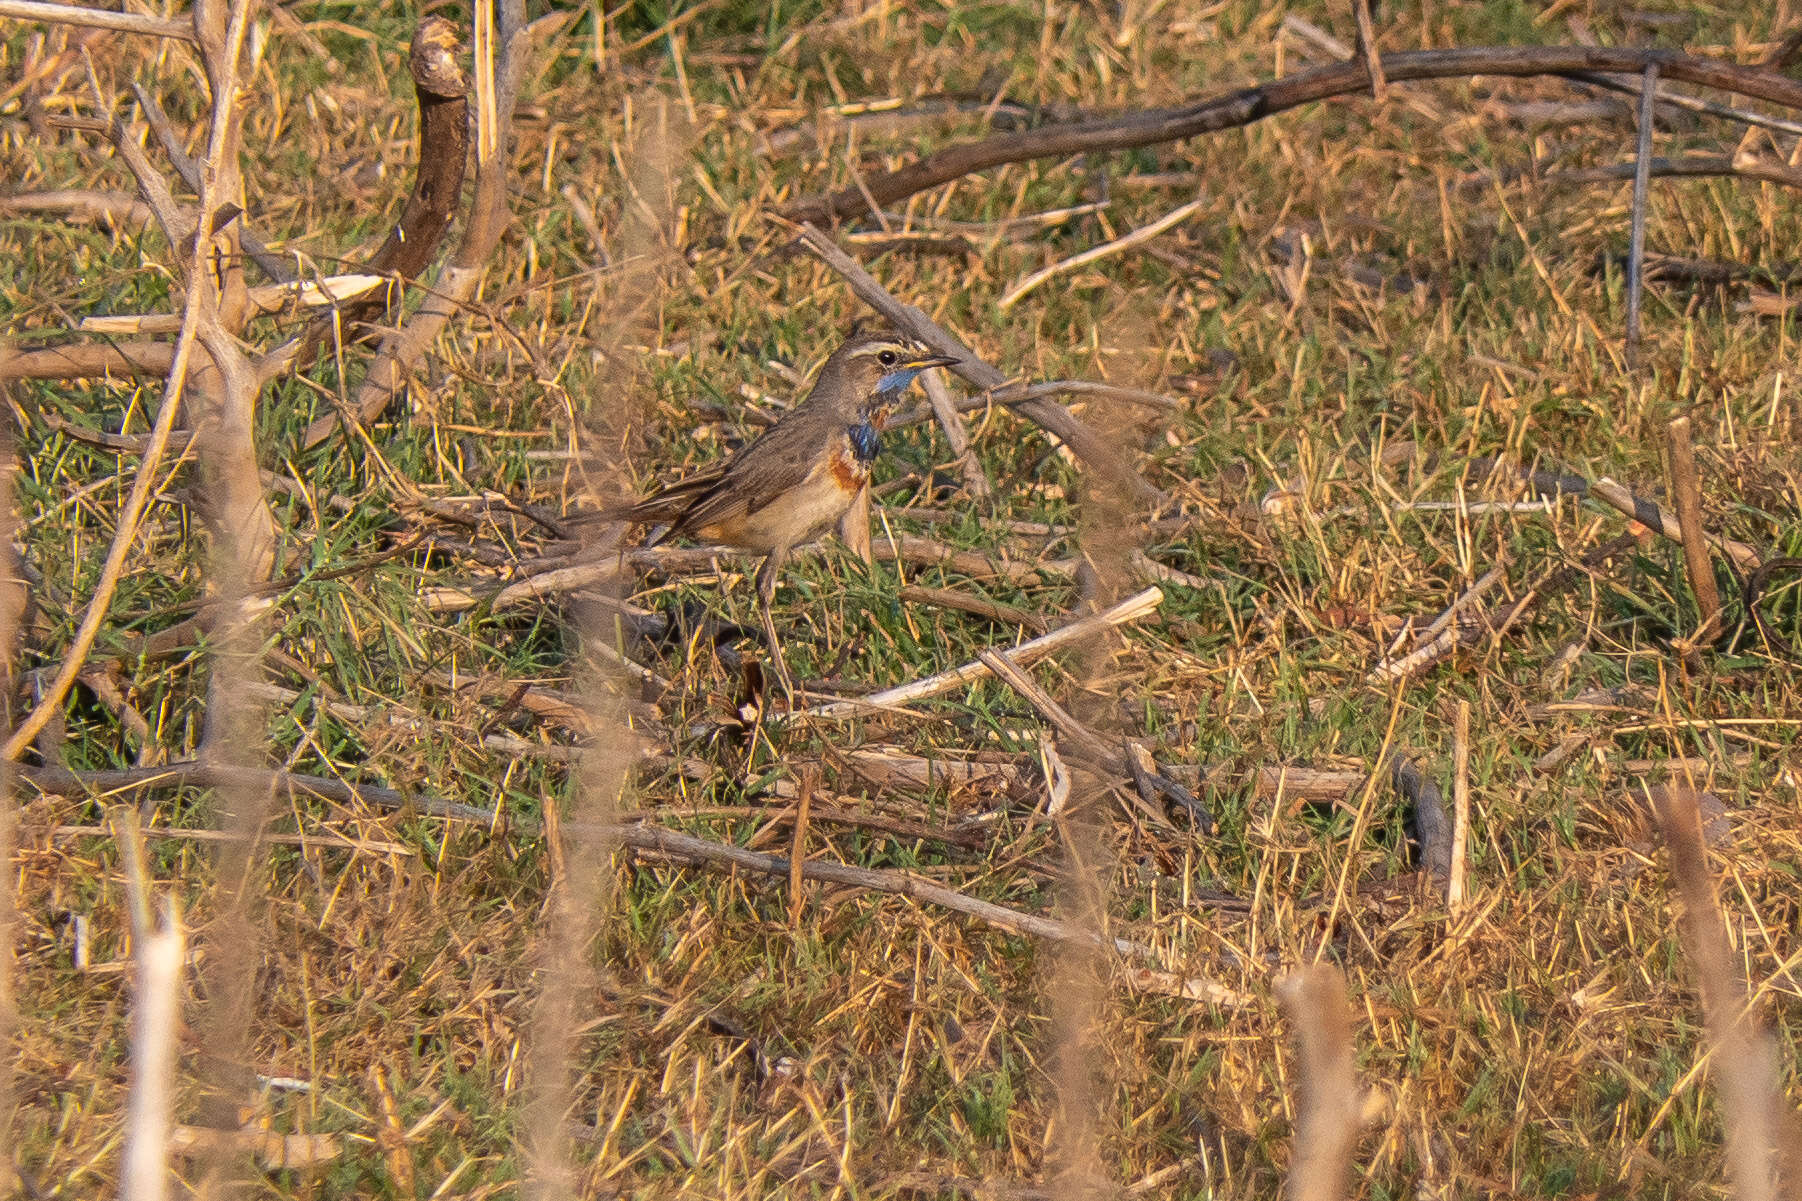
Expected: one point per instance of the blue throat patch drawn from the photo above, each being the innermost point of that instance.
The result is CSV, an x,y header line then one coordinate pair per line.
x,y
897,381
865,443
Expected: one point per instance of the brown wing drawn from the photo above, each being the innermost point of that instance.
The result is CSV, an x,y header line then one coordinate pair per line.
x,y
664,505
778,460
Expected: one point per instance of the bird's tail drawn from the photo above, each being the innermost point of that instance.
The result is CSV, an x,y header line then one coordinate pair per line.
x,y
664,508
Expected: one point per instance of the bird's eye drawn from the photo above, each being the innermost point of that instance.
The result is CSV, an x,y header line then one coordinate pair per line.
x,y
886,358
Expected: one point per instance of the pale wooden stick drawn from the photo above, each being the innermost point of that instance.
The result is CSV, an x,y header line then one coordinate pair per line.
x,y
1745,1066
1636,237
1663,521
1439,639
1454,887
1326,1126
1367,44
976,481
1143,234
268,298
158,952
97,18
1128,610
1686,490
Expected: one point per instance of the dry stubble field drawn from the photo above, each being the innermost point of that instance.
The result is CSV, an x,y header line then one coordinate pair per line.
x,y
1367,301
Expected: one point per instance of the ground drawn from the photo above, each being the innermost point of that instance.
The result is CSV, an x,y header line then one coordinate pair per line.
x,y
1369,300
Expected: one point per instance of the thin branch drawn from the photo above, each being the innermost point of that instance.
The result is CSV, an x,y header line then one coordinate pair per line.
x,y
1636,241
193,773
1130,762
155,1011
1630,86
1367,51
84,360
1454,887
1013,394
1244,106
97,18
964,602
1616,496
976,481
1130,609
1693,166
1754,1115
1125,242
1662,521
488,216
121,210
274,265
701,850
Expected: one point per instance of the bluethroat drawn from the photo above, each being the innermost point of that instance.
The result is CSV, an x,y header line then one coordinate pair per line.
x,y
796,480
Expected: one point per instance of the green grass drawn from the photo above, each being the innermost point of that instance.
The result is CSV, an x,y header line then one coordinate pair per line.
x,y
1541,1045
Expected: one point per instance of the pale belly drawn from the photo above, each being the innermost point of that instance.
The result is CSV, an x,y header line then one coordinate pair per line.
x,y
799,515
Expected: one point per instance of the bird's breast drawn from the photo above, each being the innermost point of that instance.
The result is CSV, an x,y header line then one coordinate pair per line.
x,y
805,511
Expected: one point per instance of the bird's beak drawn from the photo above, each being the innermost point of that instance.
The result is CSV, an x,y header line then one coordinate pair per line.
x,y
931,361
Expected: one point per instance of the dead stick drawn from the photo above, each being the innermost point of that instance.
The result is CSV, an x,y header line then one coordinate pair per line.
x,y
1686,490
1127,241
88,359
976,481
273,265
1662,521
687,846
1629,86
487,220
191,773
1367,47
1326,1122
1090,743
1244,106
442,95
96,18
1636,241
1130,609
951,598
797,854
1745,1057
1691,166
1454,887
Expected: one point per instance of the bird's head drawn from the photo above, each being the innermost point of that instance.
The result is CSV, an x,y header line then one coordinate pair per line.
x,y
867,375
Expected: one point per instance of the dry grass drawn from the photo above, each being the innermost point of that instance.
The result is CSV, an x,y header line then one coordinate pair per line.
x,y
1367,299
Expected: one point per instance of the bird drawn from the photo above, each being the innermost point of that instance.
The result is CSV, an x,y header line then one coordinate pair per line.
x,y
797,479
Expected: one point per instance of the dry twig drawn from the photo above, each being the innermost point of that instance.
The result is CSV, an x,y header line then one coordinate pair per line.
x,y
1636,245
1130,609
1246,105
488,215
1326,1122
97,18
1686,490
1762,1132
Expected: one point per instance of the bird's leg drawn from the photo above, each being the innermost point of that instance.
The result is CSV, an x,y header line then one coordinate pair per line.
x,y
766,593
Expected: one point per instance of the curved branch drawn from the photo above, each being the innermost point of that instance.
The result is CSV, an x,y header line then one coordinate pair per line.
x,y
443,159
488,218
1242,107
